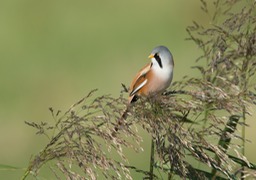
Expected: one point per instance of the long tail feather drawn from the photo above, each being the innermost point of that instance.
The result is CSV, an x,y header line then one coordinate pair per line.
x,y
121,121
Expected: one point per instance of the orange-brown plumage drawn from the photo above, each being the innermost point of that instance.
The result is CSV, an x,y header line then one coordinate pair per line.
x,y
152,79
140,77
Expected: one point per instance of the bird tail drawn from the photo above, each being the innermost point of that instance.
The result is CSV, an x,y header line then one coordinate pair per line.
x,y
121,121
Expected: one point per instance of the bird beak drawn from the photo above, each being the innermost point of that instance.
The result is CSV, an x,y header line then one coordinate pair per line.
x,y
151,56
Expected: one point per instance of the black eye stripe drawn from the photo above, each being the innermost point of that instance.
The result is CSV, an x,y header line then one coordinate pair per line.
x,y
158,59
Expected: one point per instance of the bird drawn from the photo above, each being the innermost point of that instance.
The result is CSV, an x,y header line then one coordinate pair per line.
x,y
153,79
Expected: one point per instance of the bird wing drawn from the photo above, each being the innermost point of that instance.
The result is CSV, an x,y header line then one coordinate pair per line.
x,y
140,80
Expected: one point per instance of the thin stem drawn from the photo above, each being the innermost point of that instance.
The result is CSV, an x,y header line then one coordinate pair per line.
x,y
152,160
243,141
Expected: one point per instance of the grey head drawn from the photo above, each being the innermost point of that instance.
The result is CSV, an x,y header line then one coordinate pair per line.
x,y
162,56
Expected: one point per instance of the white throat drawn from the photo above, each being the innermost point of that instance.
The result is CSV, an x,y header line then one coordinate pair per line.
x,y
164,74
165,70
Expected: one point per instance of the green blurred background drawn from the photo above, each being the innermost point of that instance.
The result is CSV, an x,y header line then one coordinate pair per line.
x,y
53,52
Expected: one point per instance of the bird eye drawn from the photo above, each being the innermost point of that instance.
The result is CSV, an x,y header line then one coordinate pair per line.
x,y
158,59
156,56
